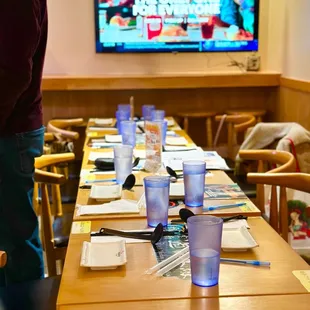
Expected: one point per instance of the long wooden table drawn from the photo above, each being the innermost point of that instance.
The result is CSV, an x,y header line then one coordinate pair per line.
x,y
128,283
279,302
240,287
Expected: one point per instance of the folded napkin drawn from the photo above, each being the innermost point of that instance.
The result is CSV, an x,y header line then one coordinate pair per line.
x,y
113,207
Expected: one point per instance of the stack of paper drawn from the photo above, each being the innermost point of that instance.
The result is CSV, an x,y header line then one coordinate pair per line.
x,y
113,207
176,141
215,161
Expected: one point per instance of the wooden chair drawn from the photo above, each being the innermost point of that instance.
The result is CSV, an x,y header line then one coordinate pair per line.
x,y
208,116
286,162
53,241
235,124
61,128
258,114
3,259
297,181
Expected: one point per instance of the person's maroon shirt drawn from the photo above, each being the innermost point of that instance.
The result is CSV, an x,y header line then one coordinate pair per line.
x,y
23,37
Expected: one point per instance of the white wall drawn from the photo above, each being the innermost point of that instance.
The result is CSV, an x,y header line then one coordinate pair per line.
x,y
297,40
71,47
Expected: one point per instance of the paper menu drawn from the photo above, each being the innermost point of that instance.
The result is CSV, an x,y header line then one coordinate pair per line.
x,y
153,146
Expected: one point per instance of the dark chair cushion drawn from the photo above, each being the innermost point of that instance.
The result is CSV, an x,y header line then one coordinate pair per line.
x,y
62,227
33,295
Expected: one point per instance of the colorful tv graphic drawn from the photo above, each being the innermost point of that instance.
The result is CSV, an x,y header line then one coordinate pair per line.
x,y
176,25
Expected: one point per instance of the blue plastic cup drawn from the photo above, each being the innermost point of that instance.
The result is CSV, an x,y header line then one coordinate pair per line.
x,y
164,127
205,240
121,116
157,199
123,155
147,112
129,133
194,182
124,107
158,115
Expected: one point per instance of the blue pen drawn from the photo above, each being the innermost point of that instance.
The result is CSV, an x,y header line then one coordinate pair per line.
x,y
234,205
99,181
246,262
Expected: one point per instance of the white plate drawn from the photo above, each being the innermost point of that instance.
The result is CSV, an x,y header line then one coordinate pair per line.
x,y
101,256
237,239
170,122
104,192
113,138
103,121
177,190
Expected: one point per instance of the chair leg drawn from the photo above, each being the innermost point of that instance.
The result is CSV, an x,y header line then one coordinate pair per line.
x,y
283,214
274,214
209,132
186,124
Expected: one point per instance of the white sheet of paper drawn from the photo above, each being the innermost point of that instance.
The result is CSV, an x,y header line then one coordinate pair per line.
x,y
97,239
178,148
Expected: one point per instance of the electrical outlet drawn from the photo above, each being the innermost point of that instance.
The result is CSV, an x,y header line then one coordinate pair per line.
x,y
252,63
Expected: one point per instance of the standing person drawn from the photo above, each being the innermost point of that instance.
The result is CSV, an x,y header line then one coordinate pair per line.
x,y
23,37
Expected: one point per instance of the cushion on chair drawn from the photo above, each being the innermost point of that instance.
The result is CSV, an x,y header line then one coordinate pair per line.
x,y
62,227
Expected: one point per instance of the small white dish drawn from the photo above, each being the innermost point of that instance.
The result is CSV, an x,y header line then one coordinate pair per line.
x,y
170,122
113,138
103,121
237,239
177,190
103,256
180,141
105,192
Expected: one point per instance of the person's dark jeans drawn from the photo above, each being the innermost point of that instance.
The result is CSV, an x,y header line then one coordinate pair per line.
x,y
19,232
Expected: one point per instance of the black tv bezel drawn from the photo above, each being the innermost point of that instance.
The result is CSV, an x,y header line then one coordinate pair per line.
x,y
256,37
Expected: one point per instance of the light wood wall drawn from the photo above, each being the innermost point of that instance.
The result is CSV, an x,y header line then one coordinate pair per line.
x,y
294,102
66,104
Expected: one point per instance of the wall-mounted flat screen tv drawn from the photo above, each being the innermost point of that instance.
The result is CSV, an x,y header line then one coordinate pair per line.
x,y
136,26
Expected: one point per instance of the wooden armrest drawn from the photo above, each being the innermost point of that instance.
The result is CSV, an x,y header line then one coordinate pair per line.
x,y
65,123
298,181
46,177
3,259
65,134
241,122
53,159
48,137
285,159
244,126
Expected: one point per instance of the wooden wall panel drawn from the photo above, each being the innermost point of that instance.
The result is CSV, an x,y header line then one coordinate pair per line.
x,y
294,102
90,103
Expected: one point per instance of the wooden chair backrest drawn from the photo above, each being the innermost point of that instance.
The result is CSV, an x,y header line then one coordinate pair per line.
x,y
297,181
235,124
45,178
3,259
286,162
61,127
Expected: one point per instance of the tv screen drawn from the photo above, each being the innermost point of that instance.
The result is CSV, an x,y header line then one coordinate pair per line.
x,y
128,26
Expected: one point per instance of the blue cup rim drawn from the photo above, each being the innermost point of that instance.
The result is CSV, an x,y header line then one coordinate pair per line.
x,y
157,181
203,219
194,163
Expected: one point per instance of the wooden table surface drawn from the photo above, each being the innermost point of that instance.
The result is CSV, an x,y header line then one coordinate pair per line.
x,y
80,285
279,302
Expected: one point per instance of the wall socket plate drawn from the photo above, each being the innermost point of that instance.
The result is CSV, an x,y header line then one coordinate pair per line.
x,y
252,63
